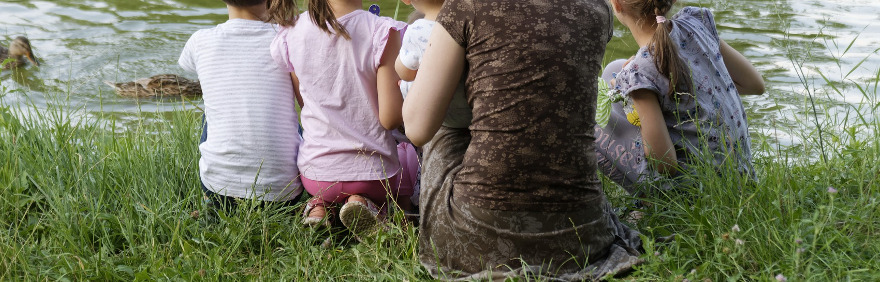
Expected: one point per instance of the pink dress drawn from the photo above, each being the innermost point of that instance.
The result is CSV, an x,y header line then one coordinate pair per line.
x,y
342,139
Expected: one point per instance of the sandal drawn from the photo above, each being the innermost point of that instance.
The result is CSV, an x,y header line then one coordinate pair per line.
x,y
361,217
312,218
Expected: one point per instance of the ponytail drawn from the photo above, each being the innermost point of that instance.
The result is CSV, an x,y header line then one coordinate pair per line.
x,y
662,47
322,15
666,58
282,12
285,13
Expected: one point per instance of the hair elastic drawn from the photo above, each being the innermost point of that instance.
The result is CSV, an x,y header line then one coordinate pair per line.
x,y
661,19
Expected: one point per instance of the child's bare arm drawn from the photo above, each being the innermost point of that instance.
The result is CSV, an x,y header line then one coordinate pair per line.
x,y
747,79
404,72
295,80
390,99
655,136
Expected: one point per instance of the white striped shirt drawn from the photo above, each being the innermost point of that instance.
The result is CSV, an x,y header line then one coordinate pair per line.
x,y
252,143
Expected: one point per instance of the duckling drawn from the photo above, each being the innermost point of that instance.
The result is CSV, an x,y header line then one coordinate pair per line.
x,y
158,85
19,49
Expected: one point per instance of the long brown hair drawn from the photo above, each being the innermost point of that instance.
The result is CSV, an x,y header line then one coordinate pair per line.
x,y
662,47
322,15
285,13
282,12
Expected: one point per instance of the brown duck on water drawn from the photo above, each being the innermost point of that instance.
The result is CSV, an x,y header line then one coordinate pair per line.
x,y
158,85
18,50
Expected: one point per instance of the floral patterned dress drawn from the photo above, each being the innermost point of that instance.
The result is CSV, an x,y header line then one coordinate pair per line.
x,y
707,125
517,193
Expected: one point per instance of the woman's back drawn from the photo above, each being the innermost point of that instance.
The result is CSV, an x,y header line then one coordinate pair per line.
x,y
518,192
532,85
343,139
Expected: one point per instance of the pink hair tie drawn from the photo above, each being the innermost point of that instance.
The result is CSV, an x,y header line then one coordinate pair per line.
x,y
661,19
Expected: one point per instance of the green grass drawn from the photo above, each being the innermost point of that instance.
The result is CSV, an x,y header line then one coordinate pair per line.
x,y
791,222
81,202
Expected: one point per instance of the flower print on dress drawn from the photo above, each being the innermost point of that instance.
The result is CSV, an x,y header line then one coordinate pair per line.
x,y
705,114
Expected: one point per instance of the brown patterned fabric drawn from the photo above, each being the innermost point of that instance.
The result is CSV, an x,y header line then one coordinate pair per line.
x,y
517,194
458,240
533,68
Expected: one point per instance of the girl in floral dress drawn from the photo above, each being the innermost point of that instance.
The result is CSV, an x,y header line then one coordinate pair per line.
x,y
679,97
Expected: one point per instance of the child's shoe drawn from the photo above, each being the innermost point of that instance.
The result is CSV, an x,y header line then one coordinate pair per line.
x,y
361,217
316,214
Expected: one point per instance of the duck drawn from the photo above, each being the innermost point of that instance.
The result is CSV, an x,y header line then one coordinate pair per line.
x,y
18,50
163,85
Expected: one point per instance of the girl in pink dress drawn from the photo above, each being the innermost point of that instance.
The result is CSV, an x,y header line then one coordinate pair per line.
x,y
341,59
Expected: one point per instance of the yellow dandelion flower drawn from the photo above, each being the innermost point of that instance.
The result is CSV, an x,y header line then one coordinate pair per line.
x,y
633,118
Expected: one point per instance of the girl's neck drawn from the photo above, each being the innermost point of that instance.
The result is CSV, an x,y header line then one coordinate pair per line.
x,y
254,13
344,7
642,30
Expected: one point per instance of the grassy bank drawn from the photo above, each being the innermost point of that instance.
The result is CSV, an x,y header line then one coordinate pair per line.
x,y
79,201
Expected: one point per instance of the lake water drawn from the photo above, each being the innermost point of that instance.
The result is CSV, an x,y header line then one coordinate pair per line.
x,y
83,43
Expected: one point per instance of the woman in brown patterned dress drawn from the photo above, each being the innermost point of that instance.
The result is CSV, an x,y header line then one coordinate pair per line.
x,y
517,192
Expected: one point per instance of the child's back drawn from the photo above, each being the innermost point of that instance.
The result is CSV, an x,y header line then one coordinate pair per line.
x,y
708,123
343,139
713,114
344,72
252,139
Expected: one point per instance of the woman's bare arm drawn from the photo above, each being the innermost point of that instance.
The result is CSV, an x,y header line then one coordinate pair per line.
x,y
428,99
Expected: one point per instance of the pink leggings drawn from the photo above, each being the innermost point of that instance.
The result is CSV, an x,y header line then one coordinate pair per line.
x,y
397,186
